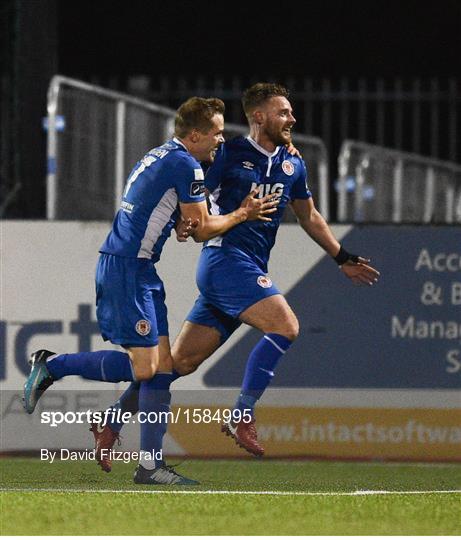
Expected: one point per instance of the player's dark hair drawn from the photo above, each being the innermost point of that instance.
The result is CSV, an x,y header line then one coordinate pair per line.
x,y
196,113
259,93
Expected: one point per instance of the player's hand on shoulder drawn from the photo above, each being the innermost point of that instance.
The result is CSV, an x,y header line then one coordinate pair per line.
x,y
359,271
292,150
260,208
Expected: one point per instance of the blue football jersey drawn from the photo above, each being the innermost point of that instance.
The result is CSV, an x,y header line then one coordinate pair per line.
x,y
165,176
240,166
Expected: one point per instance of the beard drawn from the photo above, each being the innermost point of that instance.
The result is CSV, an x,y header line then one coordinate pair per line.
x,y
277,136
212,155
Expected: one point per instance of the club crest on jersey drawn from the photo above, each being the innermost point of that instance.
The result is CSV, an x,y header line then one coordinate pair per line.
x,y
288,167
248,165
143,327
264,282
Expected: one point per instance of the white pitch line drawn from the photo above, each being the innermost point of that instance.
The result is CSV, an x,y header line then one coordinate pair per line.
x,y
225,492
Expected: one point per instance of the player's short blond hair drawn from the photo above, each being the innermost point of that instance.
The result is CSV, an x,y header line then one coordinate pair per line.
x,y
196,113
257,94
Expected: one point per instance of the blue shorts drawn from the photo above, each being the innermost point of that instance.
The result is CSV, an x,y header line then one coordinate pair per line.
x,y
130,301
229,282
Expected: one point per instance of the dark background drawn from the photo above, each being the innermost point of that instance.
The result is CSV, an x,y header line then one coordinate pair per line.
x,y
323,38
110,42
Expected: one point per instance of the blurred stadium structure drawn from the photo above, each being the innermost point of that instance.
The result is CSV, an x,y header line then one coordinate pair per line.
x,y
96,135
380,185
416,115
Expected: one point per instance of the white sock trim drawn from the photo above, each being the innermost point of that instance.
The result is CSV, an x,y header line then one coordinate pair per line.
x,y
283,351
103,373
132,369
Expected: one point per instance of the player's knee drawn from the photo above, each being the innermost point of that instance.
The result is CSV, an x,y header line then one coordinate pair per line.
x,y
291,330
144,371
184,365
144,363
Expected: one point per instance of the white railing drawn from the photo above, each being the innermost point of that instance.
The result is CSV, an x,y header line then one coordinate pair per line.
x,y
381,185
95,136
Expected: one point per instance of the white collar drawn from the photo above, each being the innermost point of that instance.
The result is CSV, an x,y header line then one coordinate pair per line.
x,y
261,149
177,141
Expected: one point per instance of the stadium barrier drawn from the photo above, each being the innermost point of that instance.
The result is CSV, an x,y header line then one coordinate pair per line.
x,y
376,375
418,114
95,136
381,185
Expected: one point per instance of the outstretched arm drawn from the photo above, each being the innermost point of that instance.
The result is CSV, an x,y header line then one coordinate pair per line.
x,y
354,267
205,226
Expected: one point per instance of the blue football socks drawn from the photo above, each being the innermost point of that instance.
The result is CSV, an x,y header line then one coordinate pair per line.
x,y
154,403
110,366
127,402
259,370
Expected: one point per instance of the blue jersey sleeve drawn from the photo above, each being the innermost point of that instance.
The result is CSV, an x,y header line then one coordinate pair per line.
x,y
300,189
214,172
189,181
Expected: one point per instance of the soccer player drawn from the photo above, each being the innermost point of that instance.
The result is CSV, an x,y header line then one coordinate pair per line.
x,y
130,296
232,270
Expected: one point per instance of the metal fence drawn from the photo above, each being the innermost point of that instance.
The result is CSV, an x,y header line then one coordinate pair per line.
x,y
381,185
95,136
412,114
419,115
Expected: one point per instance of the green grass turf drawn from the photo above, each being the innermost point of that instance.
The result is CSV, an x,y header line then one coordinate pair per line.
x,y
75,513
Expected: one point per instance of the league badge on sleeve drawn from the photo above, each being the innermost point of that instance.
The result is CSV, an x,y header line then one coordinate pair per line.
x,y
197,188
288,167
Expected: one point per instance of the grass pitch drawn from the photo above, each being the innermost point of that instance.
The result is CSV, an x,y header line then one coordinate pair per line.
x,y
288,497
